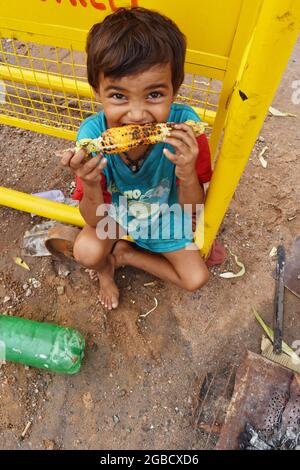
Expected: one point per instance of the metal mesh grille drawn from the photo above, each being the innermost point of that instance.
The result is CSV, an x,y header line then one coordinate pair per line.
x,y
48,86
215,392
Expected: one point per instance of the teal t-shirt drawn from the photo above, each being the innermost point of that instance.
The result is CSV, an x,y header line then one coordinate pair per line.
x,y
146,203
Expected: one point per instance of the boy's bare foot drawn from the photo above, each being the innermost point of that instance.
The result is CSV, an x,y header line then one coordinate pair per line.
x,y
121,251
109,292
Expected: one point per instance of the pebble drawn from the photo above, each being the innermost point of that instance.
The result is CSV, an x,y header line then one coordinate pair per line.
x,y
35,283
60,290
48,444
116,419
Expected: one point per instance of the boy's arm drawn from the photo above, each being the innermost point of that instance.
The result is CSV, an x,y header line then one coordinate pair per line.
x,y
203,173
192,160
92,198
90,175
190,191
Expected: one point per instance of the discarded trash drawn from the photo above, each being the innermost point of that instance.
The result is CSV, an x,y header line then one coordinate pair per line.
x,y
71,202
144,315
61,239
276,112
55,195
26,429
266,395
273,252
21,263
230,275
285,347
34,239
41,345
261,158
283,359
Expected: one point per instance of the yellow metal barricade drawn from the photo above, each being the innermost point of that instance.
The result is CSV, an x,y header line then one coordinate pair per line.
x,y
237,52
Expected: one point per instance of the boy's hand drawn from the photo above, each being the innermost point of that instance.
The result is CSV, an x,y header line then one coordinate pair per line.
x,y
89,171
186,151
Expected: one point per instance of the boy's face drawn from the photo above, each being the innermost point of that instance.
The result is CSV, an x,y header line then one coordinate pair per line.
x,y
137,99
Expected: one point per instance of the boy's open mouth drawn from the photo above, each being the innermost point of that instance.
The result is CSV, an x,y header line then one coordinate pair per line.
x,y
138,123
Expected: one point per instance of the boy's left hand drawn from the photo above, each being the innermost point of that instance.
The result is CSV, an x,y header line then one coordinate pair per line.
x,y
186,151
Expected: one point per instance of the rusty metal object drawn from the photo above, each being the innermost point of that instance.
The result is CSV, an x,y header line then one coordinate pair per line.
x,y
279,300
292,269
260,393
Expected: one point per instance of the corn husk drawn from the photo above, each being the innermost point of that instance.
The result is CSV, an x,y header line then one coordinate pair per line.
x,y
276,112
229,274
21,263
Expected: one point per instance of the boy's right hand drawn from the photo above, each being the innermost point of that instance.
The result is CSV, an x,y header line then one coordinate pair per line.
x,y
88,171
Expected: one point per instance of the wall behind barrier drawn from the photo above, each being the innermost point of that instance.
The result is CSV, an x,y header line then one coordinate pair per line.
x,y
210,26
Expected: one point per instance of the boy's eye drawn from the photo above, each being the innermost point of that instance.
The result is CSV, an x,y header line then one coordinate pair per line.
x,y
117,96
155,94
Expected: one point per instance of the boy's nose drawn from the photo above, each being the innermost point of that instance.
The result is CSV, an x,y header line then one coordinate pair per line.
x,y
137,116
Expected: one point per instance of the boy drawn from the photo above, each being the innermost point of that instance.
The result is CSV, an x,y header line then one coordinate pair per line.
x,y
135,64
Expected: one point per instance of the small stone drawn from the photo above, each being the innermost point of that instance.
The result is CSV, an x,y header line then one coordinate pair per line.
x,y
261,138
28,292
35,283
60,290
49,445
116,419
6,299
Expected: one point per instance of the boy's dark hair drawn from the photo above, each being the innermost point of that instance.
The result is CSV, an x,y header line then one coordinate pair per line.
x,y
130,41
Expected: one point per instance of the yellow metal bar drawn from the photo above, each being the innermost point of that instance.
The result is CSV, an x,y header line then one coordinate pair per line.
x,y
45,80
39,206
248,18
205,114
36,127
274,37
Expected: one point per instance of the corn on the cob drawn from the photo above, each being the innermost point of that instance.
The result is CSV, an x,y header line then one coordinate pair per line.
x,y
122,139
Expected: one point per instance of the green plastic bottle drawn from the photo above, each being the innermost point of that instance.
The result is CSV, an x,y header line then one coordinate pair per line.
x,y
43,345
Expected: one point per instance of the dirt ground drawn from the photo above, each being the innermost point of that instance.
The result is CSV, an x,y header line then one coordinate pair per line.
x,y
142,378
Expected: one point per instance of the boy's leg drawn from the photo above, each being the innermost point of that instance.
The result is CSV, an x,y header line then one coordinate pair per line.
x,y
185,268
95,253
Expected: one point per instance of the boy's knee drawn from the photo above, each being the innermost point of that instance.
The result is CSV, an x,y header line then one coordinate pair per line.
x,y
196,280
88,252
